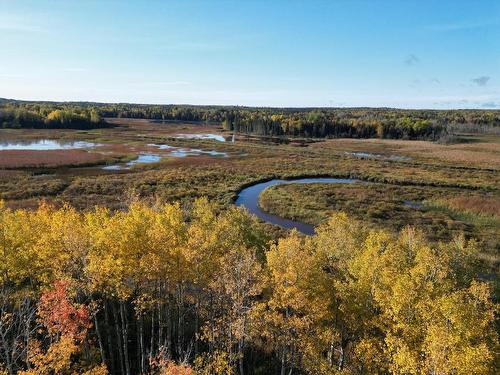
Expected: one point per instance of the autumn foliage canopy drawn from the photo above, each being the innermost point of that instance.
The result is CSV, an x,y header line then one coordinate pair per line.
x,y
174,290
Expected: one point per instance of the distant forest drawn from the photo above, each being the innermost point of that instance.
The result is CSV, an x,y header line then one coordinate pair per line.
x,y
49,116
296,122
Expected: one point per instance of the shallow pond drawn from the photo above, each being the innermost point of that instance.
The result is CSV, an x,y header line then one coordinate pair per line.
x,y
413,204
215,137
249,198
368,155
150,157
181,152
44,145
143,158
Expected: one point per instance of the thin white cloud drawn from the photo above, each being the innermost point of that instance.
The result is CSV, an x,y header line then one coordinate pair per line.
x,y
473,101
481,81
412,59
492,105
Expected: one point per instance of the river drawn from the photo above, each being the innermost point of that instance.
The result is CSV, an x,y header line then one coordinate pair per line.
x,y
249,198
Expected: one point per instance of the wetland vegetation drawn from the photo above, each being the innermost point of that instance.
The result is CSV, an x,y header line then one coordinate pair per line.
x,y
139,239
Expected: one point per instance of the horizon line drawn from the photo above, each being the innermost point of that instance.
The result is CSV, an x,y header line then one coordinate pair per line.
x,y
247,106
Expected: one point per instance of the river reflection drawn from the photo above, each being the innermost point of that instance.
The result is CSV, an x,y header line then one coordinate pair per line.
x,y
44,145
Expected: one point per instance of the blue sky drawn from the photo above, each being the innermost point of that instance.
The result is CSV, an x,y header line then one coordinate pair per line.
x,y
413,54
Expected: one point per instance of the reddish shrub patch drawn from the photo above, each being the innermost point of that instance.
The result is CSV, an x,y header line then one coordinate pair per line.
x,y
54,158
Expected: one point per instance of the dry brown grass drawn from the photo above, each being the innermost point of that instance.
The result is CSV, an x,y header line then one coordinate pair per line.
x,y
6,173
476,204
167,128
484,152
29,203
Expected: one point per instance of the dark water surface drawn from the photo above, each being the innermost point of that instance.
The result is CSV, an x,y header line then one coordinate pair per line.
x,y
249,198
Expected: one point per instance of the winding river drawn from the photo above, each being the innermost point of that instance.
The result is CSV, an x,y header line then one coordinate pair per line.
x,y
249,198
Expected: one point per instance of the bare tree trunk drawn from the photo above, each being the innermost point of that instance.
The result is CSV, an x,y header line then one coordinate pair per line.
x,y
160,322
331,352
169,322
240,355
125,336
196,327
99,338
8,361
342,350
341,359
109,334
283,364
180,320
141,343
212,325
28,337
118,339
152,338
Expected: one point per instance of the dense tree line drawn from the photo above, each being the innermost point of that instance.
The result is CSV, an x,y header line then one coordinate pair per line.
x,y
166,290
40,116
316,122
324,124
301,122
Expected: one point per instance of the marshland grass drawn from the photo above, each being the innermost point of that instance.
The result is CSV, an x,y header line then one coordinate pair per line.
x,y
432,172
459,184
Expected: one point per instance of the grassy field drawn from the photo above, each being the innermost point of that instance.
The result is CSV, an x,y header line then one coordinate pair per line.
x,y
449,180
481,151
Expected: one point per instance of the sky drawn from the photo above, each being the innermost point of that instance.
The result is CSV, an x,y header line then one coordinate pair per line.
x,y
337,53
